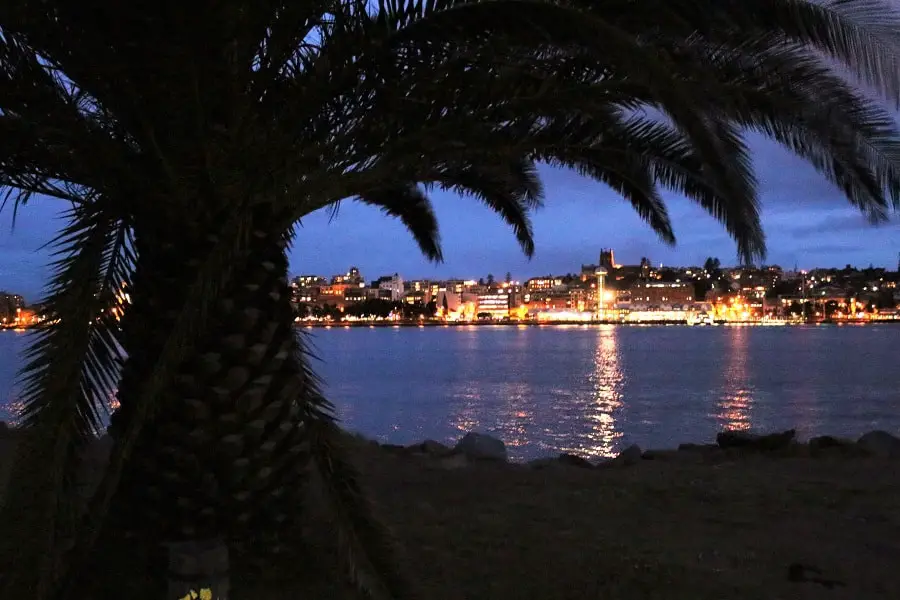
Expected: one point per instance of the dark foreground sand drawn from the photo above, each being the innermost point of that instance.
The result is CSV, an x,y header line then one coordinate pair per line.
x,y
667,530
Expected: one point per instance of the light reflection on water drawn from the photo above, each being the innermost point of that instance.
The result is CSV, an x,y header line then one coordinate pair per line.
x,y
608,379
12,346
466,418
603,401
736,400
515,417
594,390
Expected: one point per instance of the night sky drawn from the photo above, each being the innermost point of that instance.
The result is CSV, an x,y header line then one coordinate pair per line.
x,y
807,221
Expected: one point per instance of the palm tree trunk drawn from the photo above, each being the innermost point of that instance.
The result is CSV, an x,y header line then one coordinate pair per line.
x,y
226,450
197,567
225,455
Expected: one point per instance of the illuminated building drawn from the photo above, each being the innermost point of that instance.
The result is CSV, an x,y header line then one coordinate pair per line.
x,y
497,304
418,285
459,286
601,290
608,260
392,285
23,317
564,315
307,281
662,293
417,297
543,283
352,277
758,292
333,291
455,306
582,298
9,303
355,294
547,300
668,315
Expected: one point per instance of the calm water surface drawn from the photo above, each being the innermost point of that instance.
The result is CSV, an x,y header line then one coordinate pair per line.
x,y
595,390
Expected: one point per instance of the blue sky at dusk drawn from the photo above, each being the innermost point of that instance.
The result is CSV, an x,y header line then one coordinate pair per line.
x,y
807,222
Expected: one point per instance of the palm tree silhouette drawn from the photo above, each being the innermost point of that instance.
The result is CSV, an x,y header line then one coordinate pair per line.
x,y
189,139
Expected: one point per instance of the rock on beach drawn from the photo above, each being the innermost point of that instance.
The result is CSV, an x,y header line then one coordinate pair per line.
x,y
480,446
881,444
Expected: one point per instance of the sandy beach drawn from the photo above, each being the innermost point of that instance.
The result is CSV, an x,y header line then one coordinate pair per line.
x,y
727,527
723,525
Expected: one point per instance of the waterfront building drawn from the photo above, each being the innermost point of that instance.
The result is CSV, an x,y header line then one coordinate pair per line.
x,y
351,277
307,281
459,286
417,285
392,286
548,301
496,304
582,298
417,297
353,294
567,315
544,283
10,306
657,292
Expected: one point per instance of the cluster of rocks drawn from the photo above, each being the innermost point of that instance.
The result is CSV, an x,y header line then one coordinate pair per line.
x,y
472,447
476,447
729,445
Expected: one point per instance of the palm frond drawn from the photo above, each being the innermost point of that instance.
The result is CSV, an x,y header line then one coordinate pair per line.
x,y
673,163
634,152
70,374
860,34
55,141
723,159
792,97
627,174
507,184
367,547
412,206
509,187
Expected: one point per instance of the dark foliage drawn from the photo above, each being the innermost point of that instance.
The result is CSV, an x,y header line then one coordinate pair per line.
x,y
167,119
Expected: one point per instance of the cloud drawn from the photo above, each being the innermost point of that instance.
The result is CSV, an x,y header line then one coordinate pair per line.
x,y
840,223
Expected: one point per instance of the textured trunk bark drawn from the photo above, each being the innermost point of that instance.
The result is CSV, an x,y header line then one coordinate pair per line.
x,y
226,452
198,570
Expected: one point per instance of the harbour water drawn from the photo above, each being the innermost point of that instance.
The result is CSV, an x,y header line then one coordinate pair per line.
x,y
593,390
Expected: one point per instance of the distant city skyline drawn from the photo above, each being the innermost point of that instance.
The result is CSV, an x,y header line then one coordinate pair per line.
x,y
807,222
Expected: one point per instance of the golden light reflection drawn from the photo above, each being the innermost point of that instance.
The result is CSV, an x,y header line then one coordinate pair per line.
x,y
607,381
466,400
517,417
733,407
466,418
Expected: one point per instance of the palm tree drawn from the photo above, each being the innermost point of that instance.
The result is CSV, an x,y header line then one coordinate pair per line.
x,y
189,139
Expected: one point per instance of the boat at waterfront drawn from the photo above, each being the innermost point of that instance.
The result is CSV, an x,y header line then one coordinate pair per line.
x,y
701,319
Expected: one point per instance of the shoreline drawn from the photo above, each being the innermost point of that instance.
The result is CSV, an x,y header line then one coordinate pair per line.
x,y
476,447
454,324
424,324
